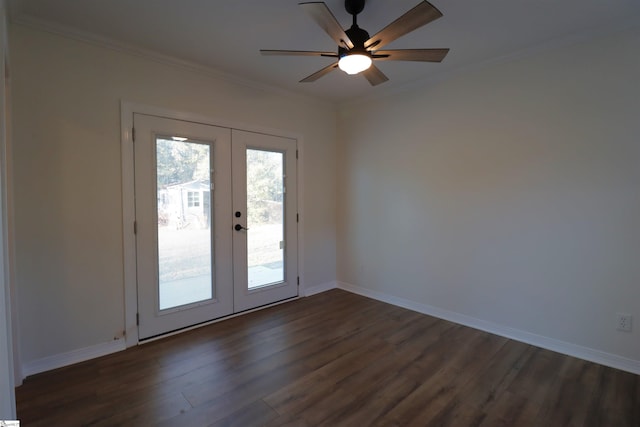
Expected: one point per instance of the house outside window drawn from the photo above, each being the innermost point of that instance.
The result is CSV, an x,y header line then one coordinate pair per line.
x,y
193,199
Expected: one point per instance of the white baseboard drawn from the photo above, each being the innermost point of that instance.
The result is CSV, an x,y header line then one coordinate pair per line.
x,y
574,350
316,289
592,355
76,356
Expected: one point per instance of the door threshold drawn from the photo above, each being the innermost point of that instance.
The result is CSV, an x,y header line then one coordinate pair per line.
x,y
211,322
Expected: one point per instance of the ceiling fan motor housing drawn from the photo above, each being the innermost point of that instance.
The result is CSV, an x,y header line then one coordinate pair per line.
x,y
358,37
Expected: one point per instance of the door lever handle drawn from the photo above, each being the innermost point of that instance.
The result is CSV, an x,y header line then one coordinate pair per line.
x,y
238,227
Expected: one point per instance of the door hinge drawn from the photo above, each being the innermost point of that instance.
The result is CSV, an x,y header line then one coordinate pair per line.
x,y
297,217
138,319
133,134
298,280
296,154
135,227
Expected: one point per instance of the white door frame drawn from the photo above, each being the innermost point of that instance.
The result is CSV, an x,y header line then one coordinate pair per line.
x,y
127,109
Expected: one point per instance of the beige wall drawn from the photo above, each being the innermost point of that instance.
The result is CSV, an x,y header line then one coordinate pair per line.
x,y
508,194
68,205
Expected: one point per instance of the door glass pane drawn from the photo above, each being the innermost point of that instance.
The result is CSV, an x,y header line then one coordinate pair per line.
x,y
184,222
265,217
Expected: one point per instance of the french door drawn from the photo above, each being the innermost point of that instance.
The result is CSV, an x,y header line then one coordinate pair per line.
x,y
216,228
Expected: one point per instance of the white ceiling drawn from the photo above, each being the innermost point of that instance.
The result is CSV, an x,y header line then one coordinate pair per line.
x,y
226,35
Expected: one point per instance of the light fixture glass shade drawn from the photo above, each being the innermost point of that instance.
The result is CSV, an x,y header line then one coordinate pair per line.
x,y
354,63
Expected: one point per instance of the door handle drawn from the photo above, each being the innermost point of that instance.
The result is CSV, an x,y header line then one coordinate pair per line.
x,y
238,227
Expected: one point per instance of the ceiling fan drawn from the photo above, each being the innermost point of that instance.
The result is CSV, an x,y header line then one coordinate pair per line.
x,y
356,50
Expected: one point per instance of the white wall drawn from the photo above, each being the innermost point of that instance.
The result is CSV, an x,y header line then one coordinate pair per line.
x,y
66,99
7,395
508,195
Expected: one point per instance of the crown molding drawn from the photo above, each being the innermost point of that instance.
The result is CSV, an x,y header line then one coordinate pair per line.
x,y
18,18
629,24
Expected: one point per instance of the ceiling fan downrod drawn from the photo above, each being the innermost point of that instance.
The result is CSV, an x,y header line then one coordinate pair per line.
x,y
357,58
357,35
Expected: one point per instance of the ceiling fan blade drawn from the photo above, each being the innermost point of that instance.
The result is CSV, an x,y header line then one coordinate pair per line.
x,y
374,75
420,15
325,19
297,53
315,76
423,55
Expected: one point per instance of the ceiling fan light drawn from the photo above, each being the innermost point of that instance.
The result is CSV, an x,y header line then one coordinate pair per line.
x,y
354,63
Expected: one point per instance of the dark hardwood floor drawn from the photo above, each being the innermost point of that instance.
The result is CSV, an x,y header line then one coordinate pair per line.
x,y
334,359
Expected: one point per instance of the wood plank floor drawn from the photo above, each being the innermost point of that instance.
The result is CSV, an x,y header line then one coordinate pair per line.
x,y
334,359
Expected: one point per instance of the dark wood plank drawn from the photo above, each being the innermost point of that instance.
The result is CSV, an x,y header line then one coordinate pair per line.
x,y
256,414
334,359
